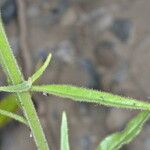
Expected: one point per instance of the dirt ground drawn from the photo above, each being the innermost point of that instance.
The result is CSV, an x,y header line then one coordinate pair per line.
x,y
99,44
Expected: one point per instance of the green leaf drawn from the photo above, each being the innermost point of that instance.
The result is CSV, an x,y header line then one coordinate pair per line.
x,y
92,96
117,140
8,103
13,116
7,59
8,106
64,133
38,73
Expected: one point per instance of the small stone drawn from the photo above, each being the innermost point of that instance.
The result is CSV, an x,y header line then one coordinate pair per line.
x,y
8,11
122,29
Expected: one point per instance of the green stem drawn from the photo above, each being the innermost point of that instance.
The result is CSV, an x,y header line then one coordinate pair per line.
x,y
23,87
13,73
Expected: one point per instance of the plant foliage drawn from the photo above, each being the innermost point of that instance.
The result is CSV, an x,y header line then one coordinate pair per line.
x,y
21,95
64,133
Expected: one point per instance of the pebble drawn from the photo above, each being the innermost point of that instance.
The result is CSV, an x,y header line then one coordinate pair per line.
x,y
122,28
8,11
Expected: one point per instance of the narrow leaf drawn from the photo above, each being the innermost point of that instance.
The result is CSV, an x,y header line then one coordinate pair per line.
x,y
39,72
13,116
64,133
7,59
117,140
8,103
92,96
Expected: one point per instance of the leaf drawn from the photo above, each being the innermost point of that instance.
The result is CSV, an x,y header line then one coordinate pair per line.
x,y
92,96
13,116
8,103
64,133
7,59
117,140
38,73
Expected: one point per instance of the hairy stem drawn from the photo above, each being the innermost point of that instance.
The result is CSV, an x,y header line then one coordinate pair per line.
x,y
15,76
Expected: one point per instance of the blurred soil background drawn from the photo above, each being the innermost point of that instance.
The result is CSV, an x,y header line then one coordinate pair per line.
x,y
98,44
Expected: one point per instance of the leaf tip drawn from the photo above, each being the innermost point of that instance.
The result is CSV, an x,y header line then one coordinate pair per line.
x,y
64,116
49,57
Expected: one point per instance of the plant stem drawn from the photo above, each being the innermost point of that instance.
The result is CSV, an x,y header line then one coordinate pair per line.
x,y
15,76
